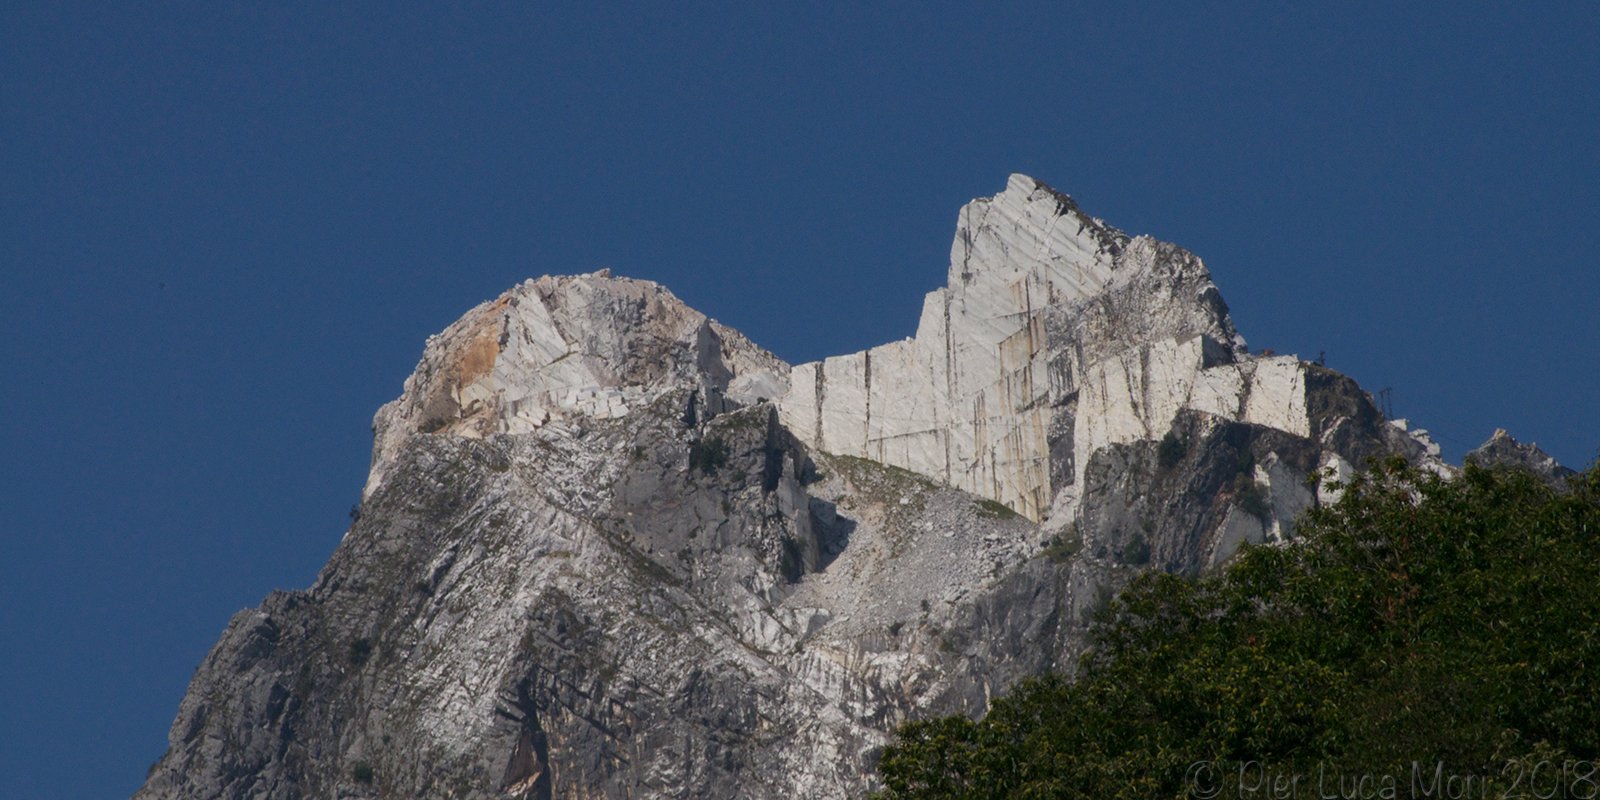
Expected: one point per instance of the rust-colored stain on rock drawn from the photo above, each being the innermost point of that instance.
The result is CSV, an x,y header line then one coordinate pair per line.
x,y
479,354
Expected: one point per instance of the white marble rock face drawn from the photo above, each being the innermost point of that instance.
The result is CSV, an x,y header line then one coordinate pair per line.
x,y
564,349
1050,318
1051,323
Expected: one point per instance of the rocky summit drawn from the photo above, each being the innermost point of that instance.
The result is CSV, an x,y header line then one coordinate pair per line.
x,y
610,548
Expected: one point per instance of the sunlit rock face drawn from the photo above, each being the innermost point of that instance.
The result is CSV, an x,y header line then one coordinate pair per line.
x,y
561,349
610,548
1056,336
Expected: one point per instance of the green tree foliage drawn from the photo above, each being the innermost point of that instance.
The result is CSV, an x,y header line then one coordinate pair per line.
x,y
1419,620
360,651
709,454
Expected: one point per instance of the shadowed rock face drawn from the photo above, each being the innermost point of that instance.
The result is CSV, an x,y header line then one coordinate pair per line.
x,y
610,548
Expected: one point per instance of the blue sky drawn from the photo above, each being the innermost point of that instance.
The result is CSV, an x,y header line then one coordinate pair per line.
x,y
227,229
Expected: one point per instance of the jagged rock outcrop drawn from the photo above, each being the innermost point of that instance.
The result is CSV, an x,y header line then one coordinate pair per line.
x,y
1056,337
566,349
1501,450
610,548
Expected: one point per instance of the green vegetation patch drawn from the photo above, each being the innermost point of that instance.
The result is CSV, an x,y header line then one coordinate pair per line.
x,y
709,454
1137,551
992,509
866,472
753,418
1064,545
1419,629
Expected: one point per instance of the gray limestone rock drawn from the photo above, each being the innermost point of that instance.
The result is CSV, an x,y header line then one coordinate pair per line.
x,y
610,548
1501,450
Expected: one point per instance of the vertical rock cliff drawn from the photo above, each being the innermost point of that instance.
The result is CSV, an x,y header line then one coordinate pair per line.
x,y
1056,337
610,548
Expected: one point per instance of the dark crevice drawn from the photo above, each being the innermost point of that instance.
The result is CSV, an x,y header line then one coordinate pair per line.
x,y
528,770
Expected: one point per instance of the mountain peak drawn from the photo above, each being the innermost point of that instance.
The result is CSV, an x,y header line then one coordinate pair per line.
x,y
565,347
589,560
1503,450
1031,229
1041,299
